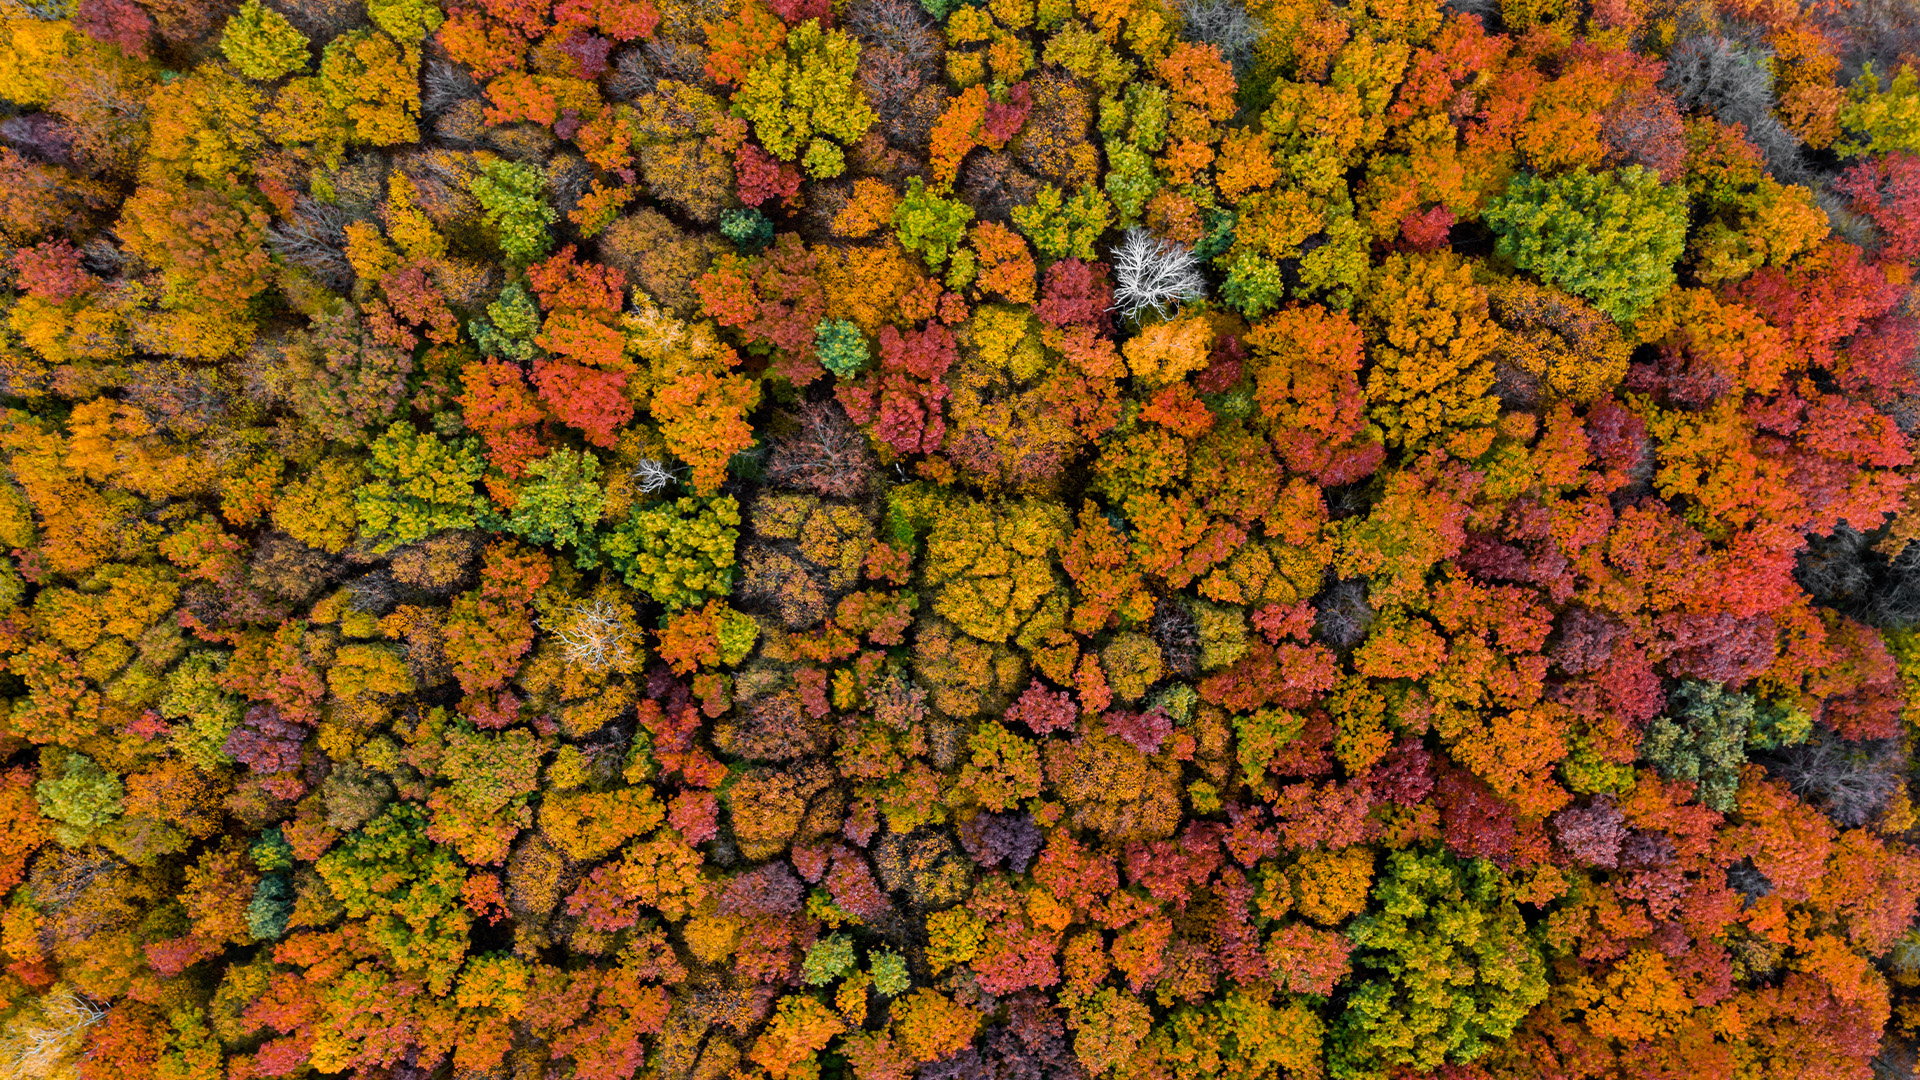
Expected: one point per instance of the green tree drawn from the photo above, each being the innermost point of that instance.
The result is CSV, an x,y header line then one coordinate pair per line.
x,y
82,799
373,81
827,959
1131,181
1880,120
1337,268
930,225
1254,284
1611,237
841,347
1702,738
271,907
561,503
889,971
680,553
512,321
407,888
261,44
805,98
1777,724
485,805
1239,1037
1443,963
204,713
1065,226
749,229
1109,1027
271,852
421,485
512,196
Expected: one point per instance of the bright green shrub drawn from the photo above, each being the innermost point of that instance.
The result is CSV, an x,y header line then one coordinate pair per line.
x,y
560,503
679,553
421,485
841,347
512,195
930,225
803,96
1443,963
1065,226
1611,237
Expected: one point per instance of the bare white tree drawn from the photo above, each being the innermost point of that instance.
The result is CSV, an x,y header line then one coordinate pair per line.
x,y
444,84
1225,25
1851,781
1154,273
47,1034
595,637
654,476
315,239
1734,82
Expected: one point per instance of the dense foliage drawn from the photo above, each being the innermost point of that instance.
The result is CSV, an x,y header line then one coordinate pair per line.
x,y
1021,539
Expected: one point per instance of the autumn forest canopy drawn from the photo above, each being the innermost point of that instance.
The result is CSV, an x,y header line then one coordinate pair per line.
x,y
959,539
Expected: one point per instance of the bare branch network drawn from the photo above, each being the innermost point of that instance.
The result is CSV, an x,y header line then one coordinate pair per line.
x,y
38,1048
1154,274
595,637
655,476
